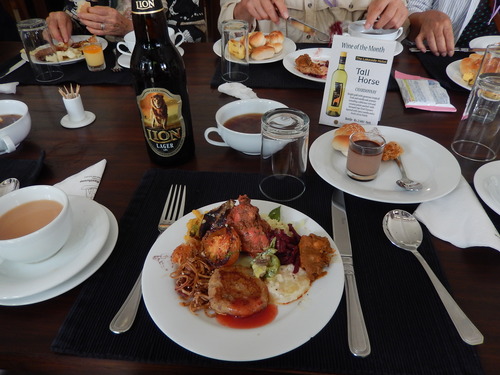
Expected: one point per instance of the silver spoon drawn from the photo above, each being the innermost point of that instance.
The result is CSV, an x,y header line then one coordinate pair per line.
x,y
404,231
405,182
8,185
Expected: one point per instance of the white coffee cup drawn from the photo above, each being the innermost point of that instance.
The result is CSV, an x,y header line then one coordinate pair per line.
x,y
248,143
129,41
44,242
12,135
357,29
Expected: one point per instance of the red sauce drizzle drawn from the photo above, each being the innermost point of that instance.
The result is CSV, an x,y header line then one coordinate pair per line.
x,y
258,319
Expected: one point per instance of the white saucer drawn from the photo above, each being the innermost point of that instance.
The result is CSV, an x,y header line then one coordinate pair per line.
x,y
487,184
90,229
398,49
80,277
124,60
67,123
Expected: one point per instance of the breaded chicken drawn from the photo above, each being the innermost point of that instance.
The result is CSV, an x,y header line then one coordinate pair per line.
x,y
315,255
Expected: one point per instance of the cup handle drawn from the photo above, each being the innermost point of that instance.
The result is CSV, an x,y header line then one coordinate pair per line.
x,y
126,52
212,142
400,31
178,33
8,146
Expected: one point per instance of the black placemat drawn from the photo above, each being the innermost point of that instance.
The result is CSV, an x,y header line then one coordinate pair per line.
x,y
436,67
274,75
409,329
26,171
76,73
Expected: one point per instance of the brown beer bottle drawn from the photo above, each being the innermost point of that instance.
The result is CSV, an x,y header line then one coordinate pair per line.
x,y
160,86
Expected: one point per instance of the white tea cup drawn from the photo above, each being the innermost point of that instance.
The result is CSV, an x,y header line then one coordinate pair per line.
x,y
127,46
12,135
357,29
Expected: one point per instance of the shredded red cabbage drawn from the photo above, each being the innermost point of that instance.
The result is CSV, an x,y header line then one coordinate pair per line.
x,y
287,246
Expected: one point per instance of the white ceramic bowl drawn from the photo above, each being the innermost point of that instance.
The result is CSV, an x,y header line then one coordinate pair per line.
x,y
245,142
357,29
12,135
48,240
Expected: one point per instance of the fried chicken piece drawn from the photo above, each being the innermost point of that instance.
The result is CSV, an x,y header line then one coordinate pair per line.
x,y
251,228
315,254
392,150
305,65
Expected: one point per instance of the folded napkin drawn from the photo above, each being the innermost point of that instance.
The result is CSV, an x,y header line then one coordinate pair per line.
x,y
238,90
84,183
8,88
459,219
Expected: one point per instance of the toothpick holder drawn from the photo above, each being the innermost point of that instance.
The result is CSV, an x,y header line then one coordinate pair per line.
x,y
77,117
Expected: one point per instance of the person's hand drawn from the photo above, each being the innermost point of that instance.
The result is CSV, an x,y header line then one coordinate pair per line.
x,y
101,20
60,26
433,27
386,14
249,10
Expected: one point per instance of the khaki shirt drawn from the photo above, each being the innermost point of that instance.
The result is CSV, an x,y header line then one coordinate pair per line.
x,y
313,12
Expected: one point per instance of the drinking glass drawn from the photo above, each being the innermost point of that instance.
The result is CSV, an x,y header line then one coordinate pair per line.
x,y
364,155
94,57
234,51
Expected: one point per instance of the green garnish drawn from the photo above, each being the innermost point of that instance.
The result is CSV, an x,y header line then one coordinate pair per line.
x,y
275,214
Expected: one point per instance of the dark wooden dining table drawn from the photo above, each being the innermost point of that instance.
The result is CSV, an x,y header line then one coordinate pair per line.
x,y
26,332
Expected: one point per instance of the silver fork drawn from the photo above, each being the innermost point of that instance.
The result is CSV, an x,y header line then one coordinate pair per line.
x,y
172,211
117,67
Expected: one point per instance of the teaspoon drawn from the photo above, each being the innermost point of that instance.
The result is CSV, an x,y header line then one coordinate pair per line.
x,y
405,182
8,185
404,231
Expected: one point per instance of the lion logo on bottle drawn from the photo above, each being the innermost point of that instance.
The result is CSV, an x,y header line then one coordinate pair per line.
x,y
159,111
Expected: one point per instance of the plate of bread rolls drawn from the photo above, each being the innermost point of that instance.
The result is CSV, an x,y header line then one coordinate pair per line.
x,y
425,160
454,73
262,48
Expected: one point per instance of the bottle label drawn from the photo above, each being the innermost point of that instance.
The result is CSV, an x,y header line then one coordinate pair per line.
x,y
162,121
146,6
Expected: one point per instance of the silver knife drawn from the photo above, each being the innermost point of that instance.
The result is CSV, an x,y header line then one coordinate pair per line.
x,y
14,67
308,29
357,336
464,49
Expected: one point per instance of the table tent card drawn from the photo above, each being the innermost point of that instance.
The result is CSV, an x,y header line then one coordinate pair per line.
x,y
356,84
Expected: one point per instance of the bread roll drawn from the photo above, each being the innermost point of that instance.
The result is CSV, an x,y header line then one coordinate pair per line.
x,y
236,49
469,67
278,47
257,39
262,53
341,136
275,37
82,6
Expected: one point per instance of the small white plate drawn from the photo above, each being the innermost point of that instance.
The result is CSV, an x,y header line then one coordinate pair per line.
x,y
484,41
295,324
124,60
316,54
288,47
77,279
425,160
74,38
487,184
453,73
90,230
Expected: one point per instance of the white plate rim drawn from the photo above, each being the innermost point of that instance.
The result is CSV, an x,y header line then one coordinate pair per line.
x,y
484,41
75,38
285,333
80,277
453,73
90,230
481,180
288,47
317,53
440,176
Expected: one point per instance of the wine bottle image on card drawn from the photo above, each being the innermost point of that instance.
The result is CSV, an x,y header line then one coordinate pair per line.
x,y
337,88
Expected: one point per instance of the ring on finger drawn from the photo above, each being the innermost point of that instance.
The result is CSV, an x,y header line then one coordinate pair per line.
x,y
103,26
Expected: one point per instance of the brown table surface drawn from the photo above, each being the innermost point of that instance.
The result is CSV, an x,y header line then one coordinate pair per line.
x,y
26,332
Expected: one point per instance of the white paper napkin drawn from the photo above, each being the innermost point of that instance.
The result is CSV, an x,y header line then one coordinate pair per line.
x,y
459,219
238,90
84,183
8,88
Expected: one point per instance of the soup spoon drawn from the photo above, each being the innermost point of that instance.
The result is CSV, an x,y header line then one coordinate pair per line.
x,y
404,231
8,185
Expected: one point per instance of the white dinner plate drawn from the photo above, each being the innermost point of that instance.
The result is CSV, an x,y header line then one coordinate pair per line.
x,y
484,41
294,325
74,38
453,73
90,229
124,60
487,184
77,279
425,160
316,54
288,47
